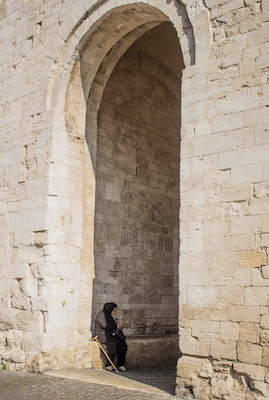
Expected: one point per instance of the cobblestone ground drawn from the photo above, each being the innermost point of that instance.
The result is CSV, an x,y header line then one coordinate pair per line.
x,y
25,386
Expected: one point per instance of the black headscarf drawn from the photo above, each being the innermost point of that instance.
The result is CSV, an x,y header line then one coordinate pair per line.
x,y
109,307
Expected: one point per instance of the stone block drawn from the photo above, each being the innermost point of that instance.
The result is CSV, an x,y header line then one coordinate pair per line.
x,y
213,179
256,296
265,271
236,193
249,332
237,102
255,372
198,114
57,320
245,224
20,302
225,259
265,239
38,304
189,345
40,238
240,139
230,159
212,144
249,353
23,239
216,227
29,287
14,338
247,173
194,277
247,67
252,259
265,337
51,342
16,271
229,331
205,329
261,388
256,37
257,278
234,295
51,287
189,367
245,314
8,318
31,342
261,189
265,360
14,156
14,355
228,122
265,321
261,132
30,321
229,243
265,223
205,296
205,163
95,355
220,348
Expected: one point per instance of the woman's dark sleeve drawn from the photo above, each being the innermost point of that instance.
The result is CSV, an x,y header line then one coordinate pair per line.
x,y
105,322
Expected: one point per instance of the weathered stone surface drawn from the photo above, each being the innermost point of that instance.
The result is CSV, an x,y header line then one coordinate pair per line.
x,y
255,372
249,332
249,353
220,348
252,259
245,314
266,356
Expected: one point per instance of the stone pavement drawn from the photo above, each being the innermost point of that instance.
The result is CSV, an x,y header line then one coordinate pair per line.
x,y
134,384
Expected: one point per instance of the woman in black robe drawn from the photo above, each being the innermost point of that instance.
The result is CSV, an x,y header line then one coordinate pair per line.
x,y
105,329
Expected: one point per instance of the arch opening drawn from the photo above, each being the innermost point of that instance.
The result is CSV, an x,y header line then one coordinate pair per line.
x,y
136,158
129,78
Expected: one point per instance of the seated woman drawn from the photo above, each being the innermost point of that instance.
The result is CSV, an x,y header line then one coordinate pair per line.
x,y
105,328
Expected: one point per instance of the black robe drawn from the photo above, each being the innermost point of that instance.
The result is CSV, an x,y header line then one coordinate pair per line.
x,y
105,327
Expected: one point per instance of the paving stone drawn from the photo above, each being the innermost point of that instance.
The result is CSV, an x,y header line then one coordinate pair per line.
x,y
26,386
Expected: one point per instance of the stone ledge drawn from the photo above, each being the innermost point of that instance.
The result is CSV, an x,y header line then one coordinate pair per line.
x,y
152,351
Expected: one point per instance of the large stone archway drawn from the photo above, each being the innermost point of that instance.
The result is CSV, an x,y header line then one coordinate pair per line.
x,y
136,246
135,265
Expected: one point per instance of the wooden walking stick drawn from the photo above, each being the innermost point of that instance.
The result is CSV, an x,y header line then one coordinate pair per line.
x,y
101,347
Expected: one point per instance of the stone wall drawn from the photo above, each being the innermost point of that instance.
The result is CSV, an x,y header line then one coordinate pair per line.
x,y
224,206
47,183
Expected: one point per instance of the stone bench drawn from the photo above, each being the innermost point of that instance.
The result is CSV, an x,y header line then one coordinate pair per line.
x,y
152,351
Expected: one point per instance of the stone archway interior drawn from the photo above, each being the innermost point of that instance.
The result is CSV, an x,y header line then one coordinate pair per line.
x,y
136,226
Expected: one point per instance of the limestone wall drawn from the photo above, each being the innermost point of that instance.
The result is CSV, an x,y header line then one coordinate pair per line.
x,y
224,206
47,183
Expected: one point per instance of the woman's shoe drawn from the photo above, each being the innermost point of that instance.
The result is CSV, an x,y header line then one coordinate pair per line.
x,y
122,368
109,368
